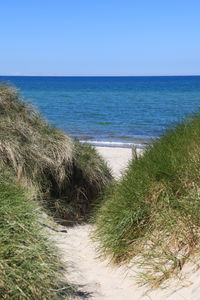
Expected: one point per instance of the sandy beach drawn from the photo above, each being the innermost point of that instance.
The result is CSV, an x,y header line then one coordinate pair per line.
x,y
117,158
96,278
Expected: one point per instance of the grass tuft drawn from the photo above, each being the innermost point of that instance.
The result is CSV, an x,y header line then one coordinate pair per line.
x,y
67,175
152,214
29,266
28,142
89,177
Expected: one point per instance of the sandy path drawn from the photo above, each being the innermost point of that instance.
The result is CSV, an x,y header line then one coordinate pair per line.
x,y
99,280
93,276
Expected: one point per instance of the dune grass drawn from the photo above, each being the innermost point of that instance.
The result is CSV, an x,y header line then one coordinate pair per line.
x,y
67,175
152,214
26,140
39,162
88,179
29,265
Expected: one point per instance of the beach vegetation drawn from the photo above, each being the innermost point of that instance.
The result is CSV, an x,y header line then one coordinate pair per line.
x,y
89,176
67,175
41,168
151,216
29,264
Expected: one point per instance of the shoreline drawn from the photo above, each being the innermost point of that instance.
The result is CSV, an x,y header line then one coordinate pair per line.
x,y
139,144
110,144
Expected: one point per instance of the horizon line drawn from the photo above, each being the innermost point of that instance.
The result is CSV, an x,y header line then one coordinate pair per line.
x,y
35,75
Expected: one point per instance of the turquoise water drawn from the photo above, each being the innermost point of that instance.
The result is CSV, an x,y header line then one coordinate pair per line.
x,y
112,109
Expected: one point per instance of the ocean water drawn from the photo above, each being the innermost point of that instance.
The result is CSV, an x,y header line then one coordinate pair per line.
x,y
112,110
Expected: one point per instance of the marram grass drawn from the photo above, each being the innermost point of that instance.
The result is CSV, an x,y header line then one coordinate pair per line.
x,y
44,164
152,214
27,140
67,175
29,265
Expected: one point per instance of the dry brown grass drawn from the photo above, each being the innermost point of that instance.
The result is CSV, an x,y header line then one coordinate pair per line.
x,y
28,142
68,176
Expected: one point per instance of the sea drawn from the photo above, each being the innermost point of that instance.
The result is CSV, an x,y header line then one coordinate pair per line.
x,y
111,111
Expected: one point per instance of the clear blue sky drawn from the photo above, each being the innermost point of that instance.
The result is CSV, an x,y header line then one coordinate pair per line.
x,y
100,37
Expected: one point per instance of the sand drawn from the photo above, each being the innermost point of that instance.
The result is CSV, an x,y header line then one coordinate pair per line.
x,y
117,158
97,279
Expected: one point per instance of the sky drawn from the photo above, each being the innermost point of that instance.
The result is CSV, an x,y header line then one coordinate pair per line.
x,y
100,37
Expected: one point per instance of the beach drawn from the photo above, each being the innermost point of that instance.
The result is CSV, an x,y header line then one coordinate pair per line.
x,y
117,158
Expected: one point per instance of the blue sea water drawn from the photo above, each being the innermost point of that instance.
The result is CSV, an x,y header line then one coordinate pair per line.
x,y
112,109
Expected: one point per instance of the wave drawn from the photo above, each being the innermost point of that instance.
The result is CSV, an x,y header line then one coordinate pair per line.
x,y
114,144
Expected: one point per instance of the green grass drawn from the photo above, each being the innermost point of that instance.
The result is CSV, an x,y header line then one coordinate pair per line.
x,y
29,265
152,214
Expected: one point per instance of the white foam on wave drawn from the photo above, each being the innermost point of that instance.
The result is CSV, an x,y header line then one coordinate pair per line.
x,y
113,144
